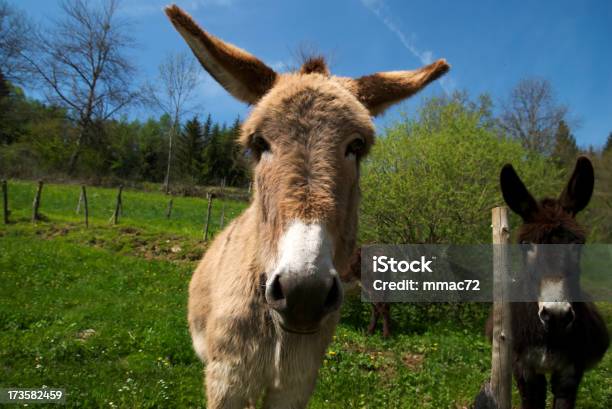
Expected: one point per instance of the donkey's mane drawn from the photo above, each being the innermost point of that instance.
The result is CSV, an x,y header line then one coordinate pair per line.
x,y
314,64
550,216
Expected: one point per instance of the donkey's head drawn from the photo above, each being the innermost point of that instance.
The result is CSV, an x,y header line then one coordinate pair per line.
x,y
552,221
307,132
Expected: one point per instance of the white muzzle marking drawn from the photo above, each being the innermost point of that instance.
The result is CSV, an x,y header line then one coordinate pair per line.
x,y
304,249
553,299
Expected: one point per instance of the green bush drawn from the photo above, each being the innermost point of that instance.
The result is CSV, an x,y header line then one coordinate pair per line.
x,y
434,179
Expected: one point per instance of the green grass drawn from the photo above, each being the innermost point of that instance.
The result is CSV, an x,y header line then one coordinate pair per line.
x,y
140,352
145,210
128,283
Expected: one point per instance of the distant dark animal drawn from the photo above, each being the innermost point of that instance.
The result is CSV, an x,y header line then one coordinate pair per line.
x,y
562,338
379,309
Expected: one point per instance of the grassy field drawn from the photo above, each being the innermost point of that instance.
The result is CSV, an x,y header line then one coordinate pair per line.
x,y
101,312
143,210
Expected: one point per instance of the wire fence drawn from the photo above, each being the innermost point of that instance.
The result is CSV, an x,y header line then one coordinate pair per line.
x,y
212,213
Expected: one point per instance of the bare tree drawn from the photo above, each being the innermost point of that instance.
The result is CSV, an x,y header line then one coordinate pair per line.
x,y
15,38
532,115
178,79
81,65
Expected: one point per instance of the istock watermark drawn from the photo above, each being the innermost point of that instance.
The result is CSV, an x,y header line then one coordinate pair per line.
x,y
452,273
383,264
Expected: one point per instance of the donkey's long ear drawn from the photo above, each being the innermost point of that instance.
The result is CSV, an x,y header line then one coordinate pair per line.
x,y
240,73
579,189
516,194
381,90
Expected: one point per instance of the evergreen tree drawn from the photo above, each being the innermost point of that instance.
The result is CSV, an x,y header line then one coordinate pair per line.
x,y
240,169
152,147
5,104
4,87
565,148
212,152
189,149
207,129
608,146
226,160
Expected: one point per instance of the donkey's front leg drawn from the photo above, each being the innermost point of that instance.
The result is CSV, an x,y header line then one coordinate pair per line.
x,y
532,388
373,320
294,396
565,388
386,315
227,386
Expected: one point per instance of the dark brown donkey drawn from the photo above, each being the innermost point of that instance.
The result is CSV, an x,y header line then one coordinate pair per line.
x,y
554,335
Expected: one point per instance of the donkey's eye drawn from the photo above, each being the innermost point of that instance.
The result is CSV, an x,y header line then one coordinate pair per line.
x,y
356,147
259,145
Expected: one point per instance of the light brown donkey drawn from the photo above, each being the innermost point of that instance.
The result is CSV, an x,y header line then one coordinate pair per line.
x,y
263,303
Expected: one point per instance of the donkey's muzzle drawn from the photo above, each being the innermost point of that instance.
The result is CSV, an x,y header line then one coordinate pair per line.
x,y
303,302
557,317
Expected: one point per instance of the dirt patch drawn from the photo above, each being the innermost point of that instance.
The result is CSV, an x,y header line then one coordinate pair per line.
x,y
414,362
53,231
129,230
169,248
129,241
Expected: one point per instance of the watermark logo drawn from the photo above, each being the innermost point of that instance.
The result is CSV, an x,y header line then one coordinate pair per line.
x,y
383,264
464,273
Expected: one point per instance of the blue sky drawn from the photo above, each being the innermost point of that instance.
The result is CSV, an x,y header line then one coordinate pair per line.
x,y
491,45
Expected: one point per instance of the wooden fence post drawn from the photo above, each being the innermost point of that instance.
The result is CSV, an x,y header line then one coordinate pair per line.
x,y
169,209
85,208
501,357
118,206
501,369
36,204
5,202
222,204
78,208
496,393
209,196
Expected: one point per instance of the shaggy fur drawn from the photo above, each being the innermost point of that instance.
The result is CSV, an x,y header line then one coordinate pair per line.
x,y
315,65
300,131
537,351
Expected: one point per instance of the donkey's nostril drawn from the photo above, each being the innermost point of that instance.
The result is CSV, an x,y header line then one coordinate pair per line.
x,y
334,296
544,315
559,316
568,317
276,292
303,301
275,296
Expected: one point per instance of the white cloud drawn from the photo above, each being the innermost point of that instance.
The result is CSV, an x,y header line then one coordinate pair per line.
x,y
280,66
380,9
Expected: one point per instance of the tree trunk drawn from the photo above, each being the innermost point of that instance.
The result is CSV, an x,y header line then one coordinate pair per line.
x,y
76,152
170,146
